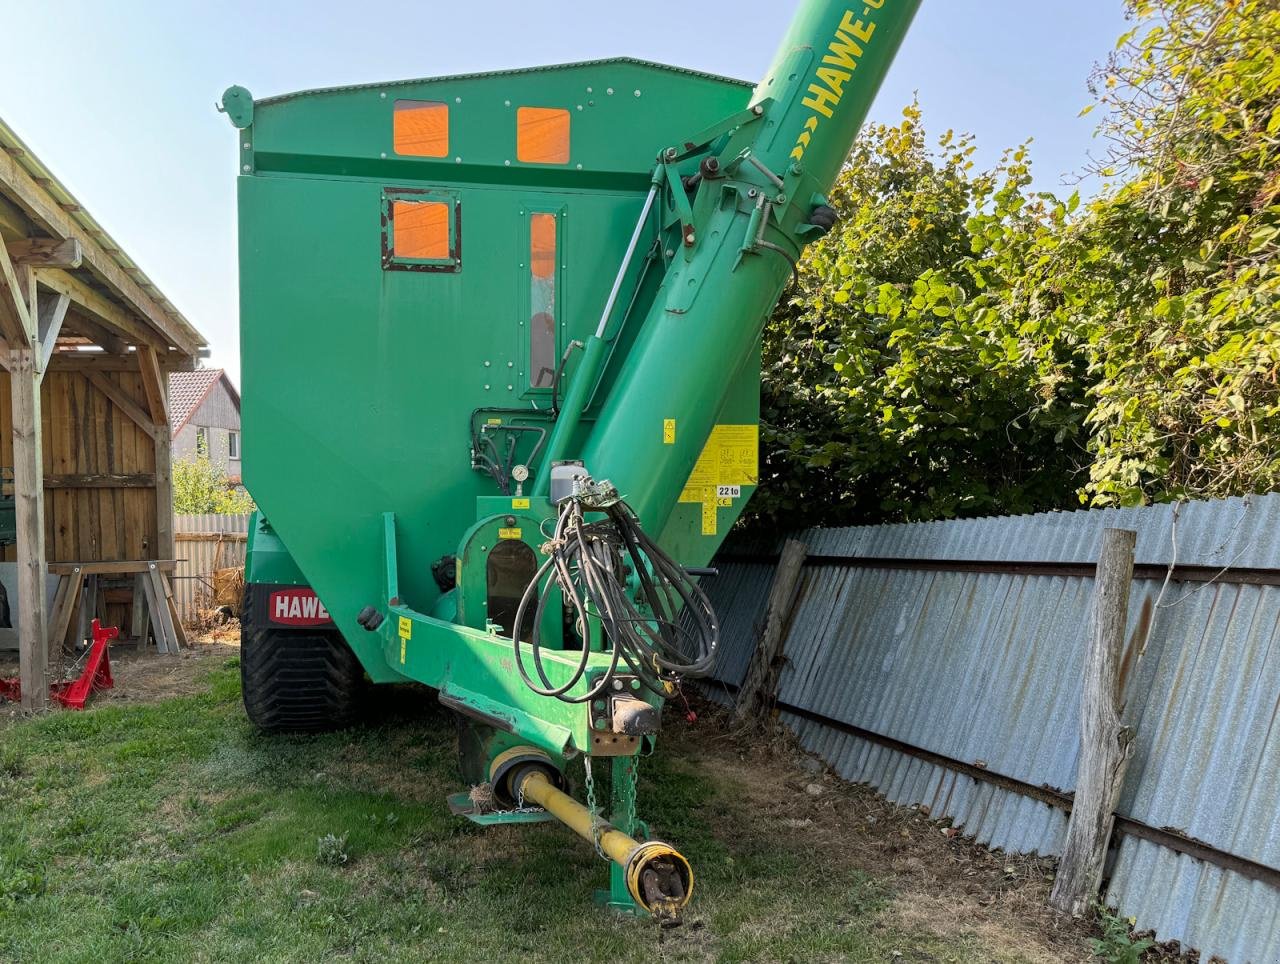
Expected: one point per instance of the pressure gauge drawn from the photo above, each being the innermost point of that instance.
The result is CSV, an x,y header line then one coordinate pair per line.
x,y
520,473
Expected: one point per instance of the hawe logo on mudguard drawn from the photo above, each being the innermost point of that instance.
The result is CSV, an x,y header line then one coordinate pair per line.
x,y
299,606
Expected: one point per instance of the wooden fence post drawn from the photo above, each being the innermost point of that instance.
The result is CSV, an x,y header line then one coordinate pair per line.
x,y
761,683
1106,744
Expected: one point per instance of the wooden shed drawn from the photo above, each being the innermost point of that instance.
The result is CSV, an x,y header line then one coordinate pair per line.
x,y
86,345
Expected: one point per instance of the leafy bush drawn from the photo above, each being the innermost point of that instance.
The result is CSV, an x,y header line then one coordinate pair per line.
x,y
897,384
960,345
200,487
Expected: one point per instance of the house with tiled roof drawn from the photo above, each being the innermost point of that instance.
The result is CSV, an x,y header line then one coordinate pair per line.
x,y
204,418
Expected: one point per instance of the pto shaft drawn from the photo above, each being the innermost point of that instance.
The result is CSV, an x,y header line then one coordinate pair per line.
x,y
658,878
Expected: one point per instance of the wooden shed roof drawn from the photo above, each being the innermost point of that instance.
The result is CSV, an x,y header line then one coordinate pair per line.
x,y
53,242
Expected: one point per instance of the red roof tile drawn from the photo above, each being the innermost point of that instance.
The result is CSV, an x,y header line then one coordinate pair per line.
x,y
187,390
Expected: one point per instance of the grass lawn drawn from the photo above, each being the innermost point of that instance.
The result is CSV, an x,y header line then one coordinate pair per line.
x,y
169,829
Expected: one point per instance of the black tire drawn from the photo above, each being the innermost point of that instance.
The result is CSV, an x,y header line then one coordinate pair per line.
x,y
298,680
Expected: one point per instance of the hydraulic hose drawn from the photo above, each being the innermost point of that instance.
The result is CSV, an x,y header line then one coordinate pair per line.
x,y
589,563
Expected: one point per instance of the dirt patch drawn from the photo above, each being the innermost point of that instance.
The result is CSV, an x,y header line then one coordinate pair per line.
x,y
944,885
144,676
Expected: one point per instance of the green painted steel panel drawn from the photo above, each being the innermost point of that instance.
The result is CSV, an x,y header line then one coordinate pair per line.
x,y
358,382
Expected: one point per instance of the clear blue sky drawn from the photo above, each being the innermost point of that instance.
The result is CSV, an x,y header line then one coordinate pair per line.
x,y
117,96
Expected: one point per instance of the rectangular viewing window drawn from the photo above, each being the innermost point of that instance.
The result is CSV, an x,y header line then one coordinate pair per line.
x,y
421,230
542,297
542,135
420,128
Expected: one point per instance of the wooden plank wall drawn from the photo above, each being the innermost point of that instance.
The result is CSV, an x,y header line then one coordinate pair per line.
x,y
86,435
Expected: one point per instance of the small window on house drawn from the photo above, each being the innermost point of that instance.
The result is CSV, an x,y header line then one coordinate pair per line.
x,y
233,445
542,298
421,231
542,135
202,442
420,128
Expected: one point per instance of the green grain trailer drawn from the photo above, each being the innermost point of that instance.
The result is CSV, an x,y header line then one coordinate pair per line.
x,y
500,338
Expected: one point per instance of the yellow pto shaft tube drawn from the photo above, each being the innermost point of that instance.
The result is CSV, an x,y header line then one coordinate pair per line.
x,y
658,877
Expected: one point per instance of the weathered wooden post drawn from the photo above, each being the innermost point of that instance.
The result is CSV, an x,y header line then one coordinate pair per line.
x,y
1106,744
761,683
28,487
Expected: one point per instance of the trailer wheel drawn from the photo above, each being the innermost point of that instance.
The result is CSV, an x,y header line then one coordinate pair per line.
x,y
295,680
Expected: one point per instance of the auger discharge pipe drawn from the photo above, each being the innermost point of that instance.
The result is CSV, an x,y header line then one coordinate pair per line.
x,y
689,350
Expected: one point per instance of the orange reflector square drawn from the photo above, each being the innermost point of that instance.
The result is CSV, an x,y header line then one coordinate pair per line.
x,y
420,128
542,135
420,229
542,245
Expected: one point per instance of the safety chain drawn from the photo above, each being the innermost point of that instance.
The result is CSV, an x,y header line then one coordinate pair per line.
x,y
591,808
633,767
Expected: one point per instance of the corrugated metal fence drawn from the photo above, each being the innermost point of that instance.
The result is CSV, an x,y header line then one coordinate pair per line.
x,y
941,663
205,543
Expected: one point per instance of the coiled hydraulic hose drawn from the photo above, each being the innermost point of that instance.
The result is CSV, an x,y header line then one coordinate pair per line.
x,y
589,563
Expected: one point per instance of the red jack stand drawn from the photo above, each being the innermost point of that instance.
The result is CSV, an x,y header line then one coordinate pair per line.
x,y
96,674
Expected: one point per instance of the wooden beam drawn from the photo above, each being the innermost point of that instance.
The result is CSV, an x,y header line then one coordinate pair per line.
x,y
50,315
78,323
38,205
136,480
105,312
1106,744
15,316
46,252
66,603
164,493
13,223
28,486
155,383
112,567
127,405
98,361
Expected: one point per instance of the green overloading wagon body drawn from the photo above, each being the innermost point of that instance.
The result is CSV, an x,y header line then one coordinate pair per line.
x,y
500,339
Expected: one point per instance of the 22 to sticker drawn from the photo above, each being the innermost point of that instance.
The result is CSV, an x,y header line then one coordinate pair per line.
x,y
728,491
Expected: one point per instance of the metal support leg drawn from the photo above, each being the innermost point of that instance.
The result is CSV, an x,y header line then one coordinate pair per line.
x,y
623,816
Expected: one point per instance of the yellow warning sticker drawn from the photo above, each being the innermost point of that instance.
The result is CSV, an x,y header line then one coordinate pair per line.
x,y
494,421
668,431
709,518
401,652
519,503
406,627
728,460
513,533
